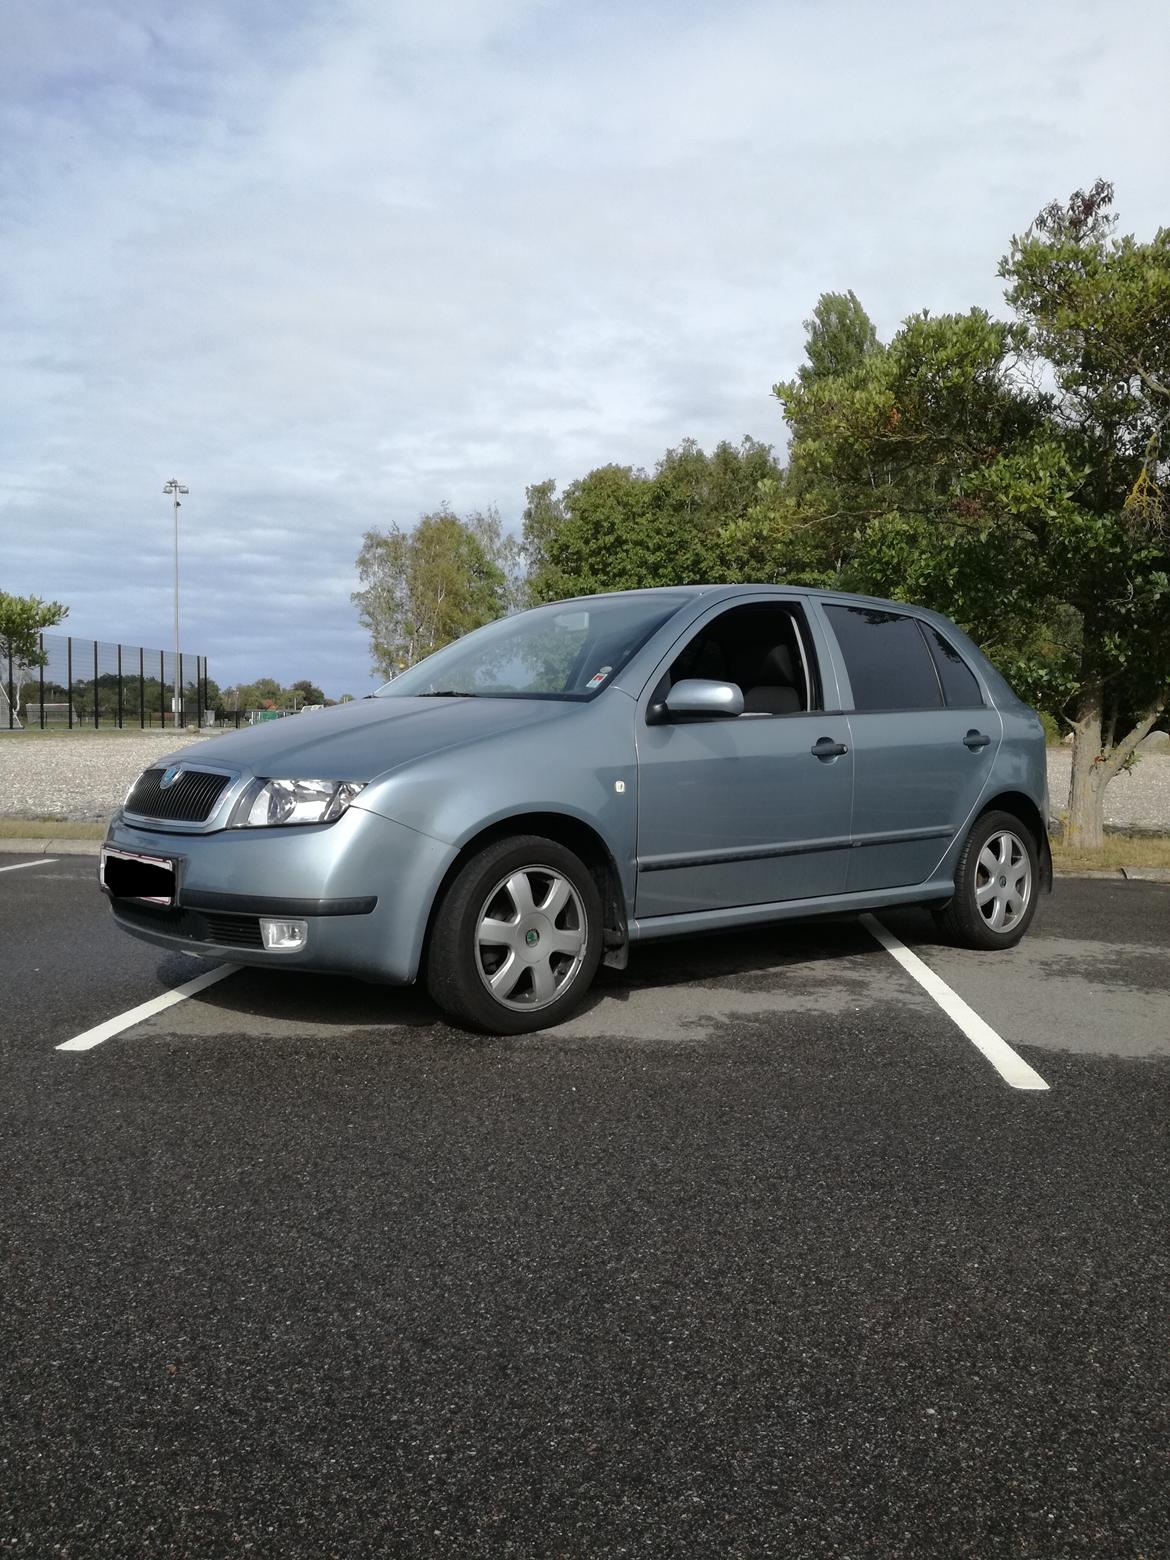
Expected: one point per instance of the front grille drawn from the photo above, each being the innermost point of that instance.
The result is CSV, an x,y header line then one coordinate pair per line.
x,y
205,926
233,931
189,799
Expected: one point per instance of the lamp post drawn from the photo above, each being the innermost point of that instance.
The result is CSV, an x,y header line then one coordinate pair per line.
x,y
173,489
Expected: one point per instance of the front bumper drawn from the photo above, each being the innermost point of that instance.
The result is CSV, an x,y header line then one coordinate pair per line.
x,y
364,884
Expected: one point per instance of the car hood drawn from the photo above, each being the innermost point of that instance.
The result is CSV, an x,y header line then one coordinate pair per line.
x,y
368,738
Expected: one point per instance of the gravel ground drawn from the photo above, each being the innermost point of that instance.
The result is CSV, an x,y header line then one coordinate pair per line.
x,y
81,775
1137,799
85,776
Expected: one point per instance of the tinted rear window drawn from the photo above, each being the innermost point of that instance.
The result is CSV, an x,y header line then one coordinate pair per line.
x,y
887,660
960,686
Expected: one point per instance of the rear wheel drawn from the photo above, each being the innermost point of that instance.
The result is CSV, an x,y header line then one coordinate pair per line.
x,y
517,938
996,878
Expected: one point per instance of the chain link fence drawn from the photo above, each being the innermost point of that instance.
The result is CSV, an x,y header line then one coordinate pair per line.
x,y
89,683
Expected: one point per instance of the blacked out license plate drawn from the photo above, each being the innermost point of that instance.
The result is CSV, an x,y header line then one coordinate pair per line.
x,y
129,875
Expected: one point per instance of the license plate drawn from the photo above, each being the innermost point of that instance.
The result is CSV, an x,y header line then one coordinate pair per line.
x,y
129,875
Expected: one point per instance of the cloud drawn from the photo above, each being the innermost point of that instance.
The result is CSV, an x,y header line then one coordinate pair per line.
x,y
332,264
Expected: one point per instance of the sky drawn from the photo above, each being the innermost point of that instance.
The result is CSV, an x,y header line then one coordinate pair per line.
x,y
332,265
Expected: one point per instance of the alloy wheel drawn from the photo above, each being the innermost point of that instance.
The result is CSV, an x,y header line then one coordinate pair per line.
x,y
1003,881
530,937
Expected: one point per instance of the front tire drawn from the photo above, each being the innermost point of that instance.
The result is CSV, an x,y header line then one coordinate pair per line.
x,y
997,877
517,937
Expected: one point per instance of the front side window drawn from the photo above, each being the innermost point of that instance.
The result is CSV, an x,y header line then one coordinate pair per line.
x,y
887,660
759,647
569,650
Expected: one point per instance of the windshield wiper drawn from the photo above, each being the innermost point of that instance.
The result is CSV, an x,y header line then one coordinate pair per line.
x,y
447,693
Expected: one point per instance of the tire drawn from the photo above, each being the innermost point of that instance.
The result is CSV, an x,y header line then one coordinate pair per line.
x,y
517,937
993,909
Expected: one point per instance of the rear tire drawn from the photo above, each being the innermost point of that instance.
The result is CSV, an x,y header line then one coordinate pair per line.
x,y
517,937
997,878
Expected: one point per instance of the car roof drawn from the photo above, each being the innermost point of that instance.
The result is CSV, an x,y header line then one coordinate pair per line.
x,y
692,592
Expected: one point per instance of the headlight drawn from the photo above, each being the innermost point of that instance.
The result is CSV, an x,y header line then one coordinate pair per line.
x,y
294,801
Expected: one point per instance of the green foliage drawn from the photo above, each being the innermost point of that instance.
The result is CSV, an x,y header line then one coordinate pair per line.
x,y
304,692
423,588
621,529
22,620
840,337
1052,732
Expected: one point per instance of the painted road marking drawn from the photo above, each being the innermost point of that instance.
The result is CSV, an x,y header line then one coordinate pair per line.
x,y
114,1026
41,861
1011,1068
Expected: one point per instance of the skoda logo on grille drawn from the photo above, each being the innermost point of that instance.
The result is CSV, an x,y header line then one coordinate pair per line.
x,y
169,776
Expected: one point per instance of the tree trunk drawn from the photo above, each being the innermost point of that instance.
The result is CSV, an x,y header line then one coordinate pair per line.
x,y
1086,806
1095,764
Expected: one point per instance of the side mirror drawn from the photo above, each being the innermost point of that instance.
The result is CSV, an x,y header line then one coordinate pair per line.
x,y
696,696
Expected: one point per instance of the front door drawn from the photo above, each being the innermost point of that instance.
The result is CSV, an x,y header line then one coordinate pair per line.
x,y
743,811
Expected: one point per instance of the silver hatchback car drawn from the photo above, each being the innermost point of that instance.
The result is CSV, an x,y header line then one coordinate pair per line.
x,y
536,797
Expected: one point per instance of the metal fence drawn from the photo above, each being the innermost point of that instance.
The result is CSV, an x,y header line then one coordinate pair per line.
x,y
88,683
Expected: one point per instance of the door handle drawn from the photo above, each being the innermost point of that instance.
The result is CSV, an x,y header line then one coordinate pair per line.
x,y
976,739
825,747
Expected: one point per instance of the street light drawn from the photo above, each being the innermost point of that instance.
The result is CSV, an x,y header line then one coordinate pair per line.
x,y
173,489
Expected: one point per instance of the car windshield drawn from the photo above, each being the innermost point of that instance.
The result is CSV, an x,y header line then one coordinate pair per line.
x,y
570,650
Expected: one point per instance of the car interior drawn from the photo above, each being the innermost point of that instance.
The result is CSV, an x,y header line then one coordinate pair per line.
x,y
759,649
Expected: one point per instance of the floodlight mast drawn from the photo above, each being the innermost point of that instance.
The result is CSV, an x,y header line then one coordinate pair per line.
x,y
173,489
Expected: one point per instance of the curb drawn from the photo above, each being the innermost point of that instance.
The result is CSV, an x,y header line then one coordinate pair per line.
x,y
1122,874
41,847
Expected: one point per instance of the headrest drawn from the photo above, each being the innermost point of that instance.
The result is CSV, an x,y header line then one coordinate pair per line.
x,y
777,667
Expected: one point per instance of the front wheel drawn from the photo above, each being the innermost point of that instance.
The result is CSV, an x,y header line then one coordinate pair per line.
x,y
996,877
517,937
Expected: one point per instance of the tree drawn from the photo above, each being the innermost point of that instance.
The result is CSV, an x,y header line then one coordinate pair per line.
x,y
1013,476
618,528
304,692
23,619
1097,309
423,588
840,337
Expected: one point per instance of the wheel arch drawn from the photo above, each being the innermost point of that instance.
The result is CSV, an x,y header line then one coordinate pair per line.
x,y
575,835
1021,806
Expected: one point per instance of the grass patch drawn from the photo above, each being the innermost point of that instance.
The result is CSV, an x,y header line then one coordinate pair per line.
x,y
49,828
1119,850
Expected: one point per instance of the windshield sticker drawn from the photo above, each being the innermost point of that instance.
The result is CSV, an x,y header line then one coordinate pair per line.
x,y
599,677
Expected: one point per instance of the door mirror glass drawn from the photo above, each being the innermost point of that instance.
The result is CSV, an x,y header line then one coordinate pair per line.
x,y
697,696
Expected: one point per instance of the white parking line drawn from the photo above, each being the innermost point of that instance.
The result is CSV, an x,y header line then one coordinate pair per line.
x,y
1011,1068
114,1026
41,861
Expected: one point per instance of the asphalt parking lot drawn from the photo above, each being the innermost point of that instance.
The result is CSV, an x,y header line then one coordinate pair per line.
x,y
758,1256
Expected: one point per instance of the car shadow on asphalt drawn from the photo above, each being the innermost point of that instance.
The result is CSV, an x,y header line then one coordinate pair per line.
x,y
339,1003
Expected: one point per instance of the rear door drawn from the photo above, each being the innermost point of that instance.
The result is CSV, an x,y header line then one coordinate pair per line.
x,y
924,736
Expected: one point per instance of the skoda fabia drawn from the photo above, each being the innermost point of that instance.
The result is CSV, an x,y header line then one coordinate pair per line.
x,y
538,796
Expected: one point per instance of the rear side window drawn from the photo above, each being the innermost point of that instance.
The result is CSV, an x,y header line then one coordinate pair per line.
x,y
960,687
886,657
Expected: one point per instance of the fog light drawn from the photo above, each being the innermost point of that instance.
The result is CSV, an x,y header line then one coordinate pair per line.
x,y
283,936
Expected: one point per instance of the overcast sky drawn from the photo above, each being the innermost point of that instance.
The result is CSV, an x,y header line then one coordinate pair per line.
x,y
332,264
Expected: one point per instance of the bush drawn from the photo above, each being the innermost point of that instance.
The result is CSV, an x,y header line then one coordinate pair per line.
x,y
1052,731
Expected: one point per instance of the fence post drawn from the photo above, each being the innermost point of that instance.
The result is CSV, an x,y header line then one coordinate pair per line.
x,y
180,695
69,675
41,678
162,689
95,685
199,663
119,685
141,688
